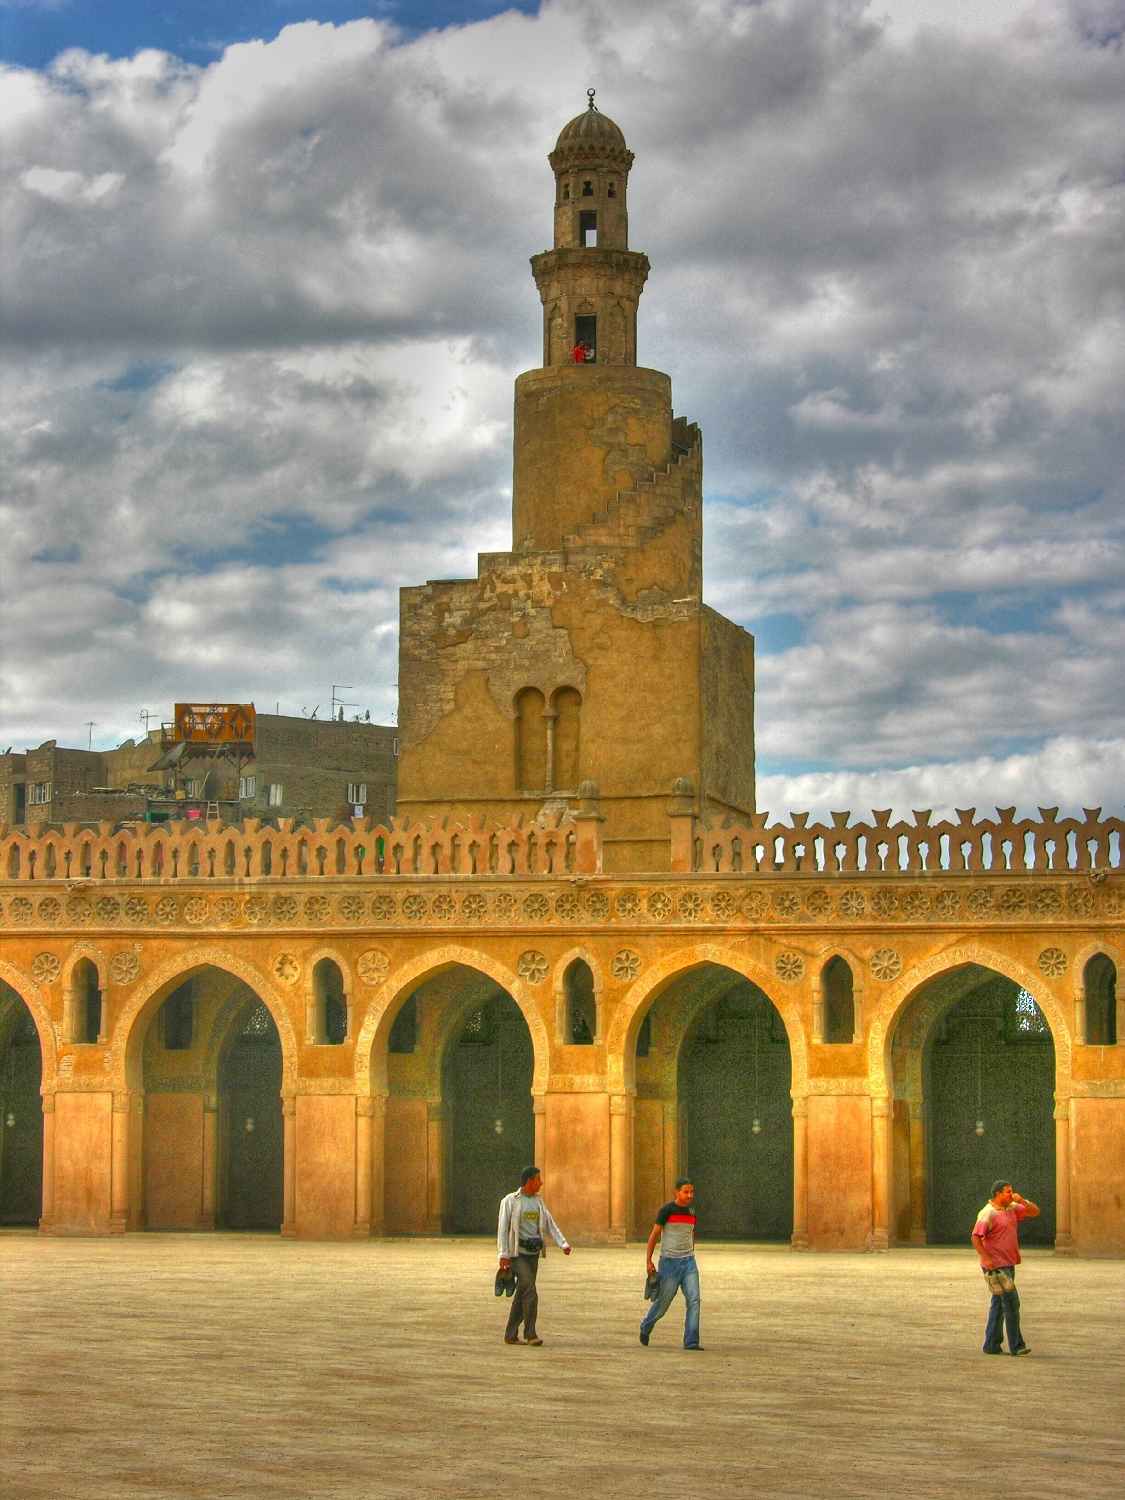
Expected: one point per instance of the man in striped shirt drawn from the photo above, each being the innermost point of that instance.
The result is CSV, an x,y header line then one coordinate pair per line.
x,y
675,1229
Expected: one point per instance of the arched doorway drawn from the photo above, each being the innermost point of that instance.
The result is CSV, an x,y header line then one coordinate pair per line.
x,y
973,1063
21,1113
713,1076
213,1139
459,1124
250,1122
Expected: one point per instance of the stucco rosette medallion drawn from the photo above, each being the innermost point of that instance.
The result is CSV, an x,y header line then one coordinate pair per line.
x,y
1047,902
414,908
20,911
78,910
136,910
755,904
372,966
818,903
786,904
980,902
167,909
536,907
286,968
196,910
723,906
691,905
317,909
597,905
884,903
257,910
1052,962
568,908
384,908
789,967
626,964
45,968
628,904
124,967
284,908
107,909
474,907
533,966
351,908
444,907
50,910
505,906
226,911
886,964
947,903
852,904
660,906
1080,902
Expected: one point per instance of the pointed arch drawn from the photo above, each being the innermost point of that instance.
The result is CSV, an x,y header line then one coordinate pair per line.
x,y
127,1038
34,996
392,993
902,991
621,1037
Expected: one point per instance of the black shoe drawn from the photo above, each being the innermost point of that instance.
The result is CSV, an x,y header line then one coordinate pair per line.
x,y
644,1338
693,1348
992,1351
1023,1349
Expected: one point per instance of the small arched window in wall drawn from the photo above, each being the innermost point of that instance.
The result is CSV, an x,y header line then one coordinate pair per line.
x,y
838,1001
581,1007
331,1026
1099,985
611,191
531,742
177,1019
566,191
404,1028
87,1002
587,189
567,704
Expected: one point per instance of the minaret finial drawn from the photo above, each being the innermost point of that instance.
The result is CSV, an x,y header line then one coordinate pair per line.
x,y
590,95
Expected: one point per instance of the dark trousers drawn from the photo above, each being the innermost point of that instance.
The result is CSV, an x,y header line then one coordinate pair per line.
x,y
1004,1316
525,1302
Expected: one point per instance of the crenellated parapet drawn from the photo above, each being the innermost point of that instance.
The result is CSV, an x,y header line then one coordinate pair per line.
x,y
881,846
253,849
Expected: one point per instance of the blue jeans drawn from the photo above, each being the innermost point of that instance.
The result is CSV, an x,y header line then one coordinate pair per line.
x,y
1004,1315
678,1273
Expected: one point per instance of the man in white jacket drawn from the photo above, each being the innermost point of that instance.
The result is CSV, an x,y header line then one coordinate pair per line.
x,y
525,1221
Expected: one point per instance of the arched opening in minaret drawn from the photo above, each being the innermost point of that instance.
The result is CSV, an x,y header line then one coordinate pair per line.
x,y
586,333
588,228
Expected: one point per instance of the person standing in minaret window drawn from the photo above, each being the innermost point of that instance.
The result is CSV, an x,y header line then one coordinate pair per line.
x,y
580,353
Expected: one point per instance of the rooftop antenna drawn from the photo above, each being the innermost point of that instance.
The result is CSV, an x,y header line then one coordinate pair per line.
x,y
90,738
338,703
145,715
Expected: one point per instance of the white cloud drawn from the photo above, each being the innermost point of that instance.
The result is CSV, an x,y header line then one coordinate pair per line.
x,y
262,320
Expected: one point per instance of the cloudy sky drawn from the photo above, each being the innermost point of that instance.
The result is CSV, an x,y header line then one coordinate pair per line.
x,y
265,291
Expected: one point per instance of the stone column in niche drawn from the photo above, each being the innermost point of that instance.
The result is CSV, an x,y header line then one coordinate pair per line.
x,y
1064,1239
119,1163
436,1117
47,1213
207,1204
620,1166
880,1172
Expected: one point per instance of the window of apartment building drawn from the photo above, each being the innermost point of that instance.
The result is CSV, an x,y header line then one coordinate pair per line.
x,y
357,791
247,787
39,792
274,792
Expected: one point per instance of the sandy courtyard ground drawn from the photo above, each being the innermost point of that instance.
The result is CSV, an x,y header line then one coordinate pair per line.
x,y
237,1365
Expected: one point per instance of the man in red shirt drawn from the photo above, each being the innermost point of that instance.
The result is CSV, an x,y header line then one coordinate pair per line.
x,y
997,1243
